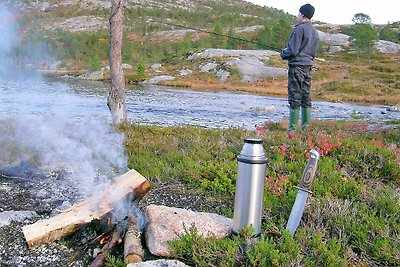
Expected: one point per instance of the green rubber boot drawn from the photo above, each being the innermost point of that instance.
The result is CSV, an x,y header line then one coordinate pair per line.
x,y
305,118
294,118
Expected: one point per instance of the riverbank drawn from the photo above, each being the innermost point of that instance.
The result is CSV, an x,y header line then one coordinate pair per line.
x,y
341,78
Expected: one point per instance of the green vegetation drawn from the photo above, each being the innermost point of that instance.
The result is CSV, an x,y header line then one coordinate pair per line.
x,y
364,35
90,49
354,212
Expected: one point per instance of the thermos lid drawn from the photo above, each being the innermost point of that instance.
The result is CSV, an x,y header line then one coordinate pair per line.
x,y
252,152
253,140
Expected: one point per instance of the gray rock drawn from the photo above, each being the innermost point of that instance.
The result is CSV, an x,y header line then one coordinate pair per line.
x,y
172,34
269,109
124,66
252,69
6,217
387,47
46,7
77,24
156,67
166,222
334,39
158,263
393,108
208,67
157,79
185,72
333,49
212,53
249,29
91,75
222,75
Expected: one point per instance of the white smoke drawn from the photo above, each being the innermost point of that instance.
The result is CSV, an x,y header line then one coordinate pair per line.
x,y
18,54
8,41
91,152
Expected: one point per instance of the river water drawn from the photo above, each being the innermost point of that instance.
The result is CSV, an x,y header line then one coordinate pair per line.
x,y
80,100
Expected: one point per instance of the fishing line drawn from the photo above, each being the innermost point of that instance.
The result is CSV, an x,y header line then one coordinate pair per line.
x,y
220,34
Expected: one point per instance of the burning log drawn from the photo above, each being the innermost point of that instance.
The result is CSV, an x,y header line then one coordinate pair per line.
x,y
95,207
115,239
133,250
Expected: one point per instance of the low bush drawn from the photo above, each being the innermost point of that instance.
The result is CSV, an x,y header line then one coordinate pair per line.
x,y
353,213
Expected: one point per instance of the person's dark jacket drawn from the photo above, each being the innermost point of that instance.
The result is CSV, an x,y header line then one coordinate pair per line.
x,y
302,45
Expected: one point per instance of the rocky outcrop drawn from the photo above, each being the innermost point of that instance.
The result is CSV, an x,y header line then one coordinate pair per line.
x,y
166,223
334,39
160,78
77,24
252,69
387,47
249,63
98,75
334,42
219,53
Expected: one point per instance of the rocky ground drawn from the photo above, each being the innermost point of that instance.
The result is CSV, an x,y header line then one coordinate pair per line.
x,y
28,194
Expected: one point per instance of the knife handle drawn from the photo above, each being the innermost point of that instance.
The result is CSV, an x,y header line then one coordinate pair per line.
x,y
310,170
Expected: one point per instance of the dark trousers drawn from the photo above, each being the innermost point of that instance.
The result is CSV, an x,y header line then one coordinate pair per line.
x,y
299,86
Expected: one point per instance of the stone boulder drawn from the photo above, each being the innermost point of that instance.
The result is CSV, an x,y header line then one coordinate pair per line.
x,y
156,67
334,39
252,69
93,75
185,72
208,67
333,48
6,217
160,78
166,222
222,75
387,47
46,7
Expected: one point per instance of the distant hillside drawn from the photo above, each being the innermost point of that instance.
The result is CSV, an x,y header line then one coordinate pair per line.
x,y
146,15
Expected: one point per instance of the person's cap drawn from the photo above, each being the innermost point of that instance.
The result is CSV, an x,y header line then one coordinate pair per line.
x,y
307,10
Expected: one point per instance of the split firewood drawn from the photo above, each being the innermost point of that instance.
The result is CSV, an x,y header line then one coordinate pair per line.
x,y
133,249
95,207
116,238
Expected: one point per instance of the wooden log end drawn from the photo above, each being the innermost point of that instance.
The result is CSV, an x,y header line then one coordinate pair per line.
x,y
133,259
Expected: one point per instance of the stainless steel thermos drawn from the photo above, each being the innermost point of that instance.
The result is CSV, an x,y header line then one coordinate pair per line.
x,y
250,186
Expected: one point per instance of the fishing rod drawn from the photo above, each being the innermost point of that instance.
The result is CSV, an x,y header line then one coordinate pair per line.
x,y
273,48
221,34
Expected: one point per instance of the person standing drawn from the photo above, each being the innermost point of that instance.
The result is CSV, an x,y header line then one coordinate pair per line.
x,y
300,53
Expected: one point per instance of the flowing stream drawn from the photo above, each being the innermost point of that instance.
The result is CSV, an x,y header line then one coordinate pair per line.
x,y
76,99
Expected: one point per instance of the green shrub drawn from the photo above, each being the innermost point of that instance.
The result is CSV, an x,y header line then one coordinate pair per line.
x,y
353,211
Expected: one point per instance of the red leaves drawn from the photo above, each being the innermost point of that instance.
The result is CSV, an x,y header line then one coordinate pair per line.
x,y
260,130
275,186
324,143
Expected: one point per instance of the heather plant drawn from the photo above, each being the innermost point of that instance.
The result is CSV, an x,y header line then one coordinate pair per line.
x,y
351,217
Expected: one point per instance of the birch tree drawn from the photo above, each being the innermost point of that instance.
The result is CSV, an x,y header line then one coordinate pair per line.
x,y
116,97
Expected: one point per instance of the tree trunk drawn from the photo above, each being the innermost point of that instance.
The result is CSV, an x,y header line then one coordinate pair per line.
x,y
116,98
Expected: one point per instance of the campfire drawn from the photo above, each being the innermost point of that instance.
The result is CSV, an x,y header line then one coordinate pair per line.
x,y
103,224
131,186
